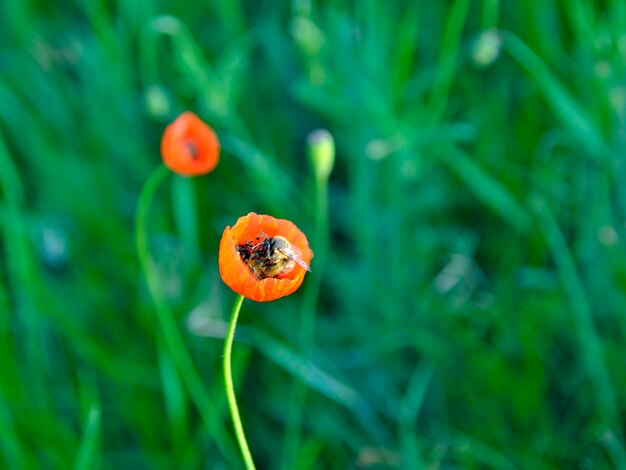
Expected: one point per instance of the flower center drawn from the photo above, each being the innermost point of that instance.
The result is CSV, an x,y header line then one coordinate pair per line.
x,y
265,256
192,149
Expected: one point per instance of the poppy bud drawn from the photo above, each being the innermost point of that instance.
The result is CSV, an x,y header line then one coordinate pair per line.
x,y
322,153
487,48
189,146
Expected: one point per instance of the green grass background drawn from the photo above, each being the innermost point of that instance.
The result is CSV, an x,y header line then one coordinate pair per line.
x,y
469,311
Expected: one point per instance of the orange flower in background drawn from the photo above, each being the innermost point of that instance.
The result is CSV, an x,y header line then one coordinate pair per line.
x,y
263,258
189,146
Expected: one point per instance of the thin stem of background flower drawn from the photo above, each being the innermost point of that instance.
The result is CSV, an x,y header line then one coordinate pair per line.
x,y
172,336
230,389
293,435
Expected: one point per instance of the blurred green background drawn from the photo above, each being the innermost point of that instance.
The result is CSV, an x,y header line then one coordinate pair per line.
x,y
467,303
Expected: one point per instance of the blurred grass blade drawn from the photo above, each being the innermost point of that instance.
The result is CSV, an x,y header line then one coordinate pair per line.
x,y
88,451
18,258
320,381
592,356
186,214
174,397
448,54
171,334
485,455
571,114
22,273
491,9
213,89
11,190
11,449
409,412
564,106
275,183
406,50
614,448
486,188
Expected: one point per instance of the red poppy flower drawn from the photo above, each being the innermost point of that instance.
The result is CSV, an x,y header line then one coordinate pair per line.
x,y
263,258
189,146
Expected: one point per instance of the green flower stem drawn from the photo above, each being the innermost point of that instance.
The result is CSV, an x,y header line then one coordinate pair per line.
x,y
293,435
171,334
312,289
230,389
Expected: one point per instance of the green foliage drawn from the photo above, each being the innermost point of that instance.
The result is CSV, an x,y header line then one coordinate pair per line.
x,y
466,305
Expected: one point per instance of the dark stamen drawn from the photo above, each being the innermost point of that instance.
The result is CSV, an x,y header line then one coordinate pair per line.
x,y
193,150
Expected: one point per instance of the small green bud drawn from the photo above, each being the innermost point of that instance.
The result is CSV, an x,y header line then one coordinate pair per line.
x,y
157,101
487,48
322,153
307,35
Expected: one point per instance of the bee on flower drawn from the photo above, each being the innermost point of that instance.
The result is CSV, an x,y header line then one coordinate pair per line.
x,y
264,258
270,256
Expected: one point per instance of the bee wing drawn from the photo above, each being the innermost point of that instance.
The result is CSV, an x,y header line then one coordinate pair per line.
x,y
294,257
